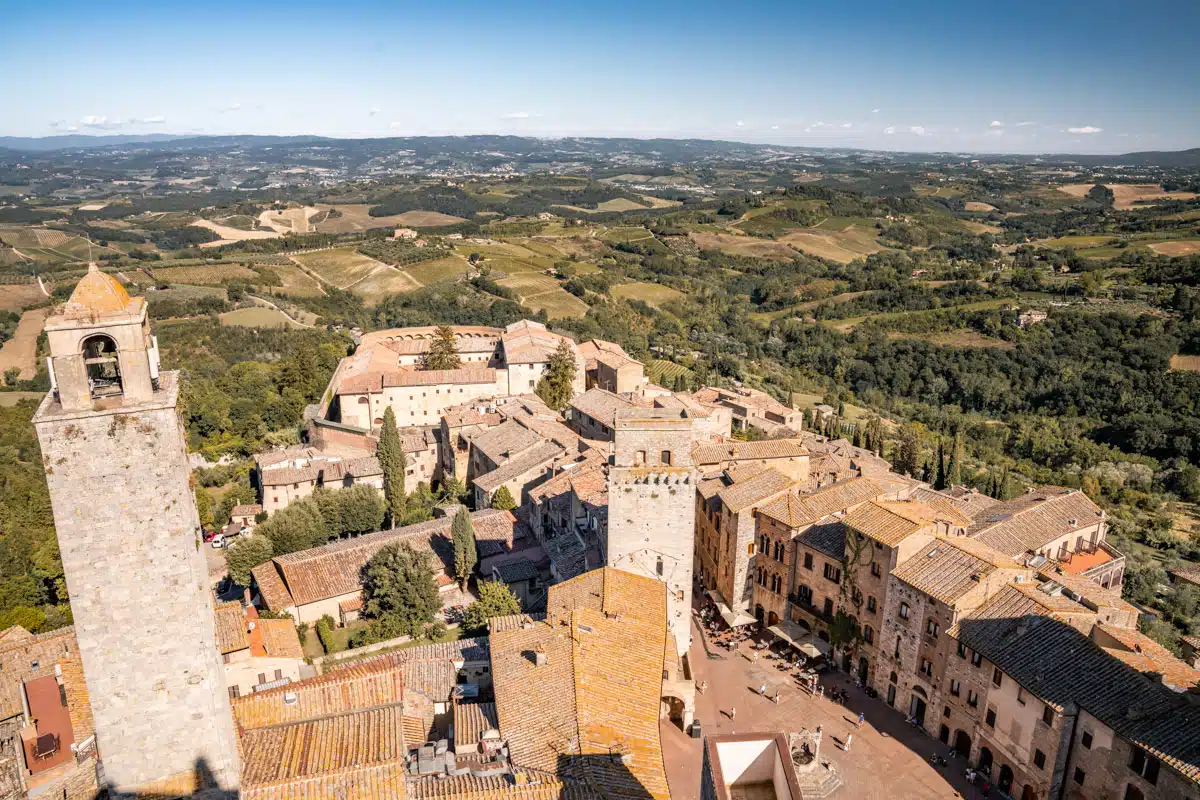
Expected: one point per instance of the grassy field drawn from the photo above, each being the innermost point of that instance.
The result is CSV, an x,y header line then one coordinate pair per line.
x,y
382,282
356,217
216,273
768,316
1077,242
653,294
10,399
743,245
525,266
341,267
972,205
1177,247
257,318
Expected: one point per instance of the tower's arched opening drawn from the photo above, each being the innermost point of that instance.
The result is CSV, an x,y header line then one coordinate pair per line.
x,y
103,366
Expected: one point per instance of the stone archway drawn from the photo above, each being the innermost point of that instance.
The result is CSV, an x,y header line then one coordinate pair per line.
x,y
962,743
678,708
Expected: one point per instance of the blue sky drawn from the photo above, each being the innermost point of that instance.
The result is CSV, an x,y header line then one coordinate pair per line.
x,y
1084,76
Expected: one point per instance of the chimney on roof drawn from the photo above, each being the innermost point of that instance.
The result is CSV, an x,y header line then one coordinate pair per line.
x,y
539,656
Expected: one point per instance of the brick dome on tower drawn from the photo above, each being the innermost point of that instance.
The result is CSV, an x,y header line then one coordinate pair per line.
x,y
99,294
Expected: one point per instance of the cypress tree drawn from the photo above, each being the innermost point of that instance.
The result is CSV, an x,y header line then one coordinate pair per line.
x,y
465,555
954,471
940,482
393,463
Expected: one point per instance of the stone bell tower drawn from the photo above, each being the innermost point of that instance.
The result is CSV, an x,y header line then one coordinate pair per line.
x,y
116,465
652,506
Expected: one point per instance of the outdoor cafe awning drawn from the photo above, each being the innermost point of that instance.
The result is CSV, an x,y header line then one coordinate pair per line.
x,y
800,639
734,619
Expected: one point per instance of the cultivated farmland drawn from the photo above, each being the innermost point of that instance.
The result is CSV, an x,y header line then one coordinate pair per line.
x,y
653,294
1128,195
341,266
215,273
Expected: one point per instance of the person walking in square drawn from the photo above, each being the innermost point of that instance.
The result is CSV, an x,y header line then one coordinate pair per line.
x,y
862,717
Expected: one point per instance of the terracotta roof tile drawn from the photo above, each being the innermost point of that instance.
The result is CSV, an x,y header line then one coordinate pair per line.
x,y
946,569
505,441
354,687
99,293
794,510
471,721
1033,520
536,458
1146,655
372,782
231,627
271,588
826,537
280,638
599,689
600,405
757,489
890,522
739,451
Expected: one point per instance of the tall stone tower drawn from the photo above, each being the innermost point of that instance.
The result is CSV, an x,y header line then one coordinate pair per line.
x,y
652,506
116,464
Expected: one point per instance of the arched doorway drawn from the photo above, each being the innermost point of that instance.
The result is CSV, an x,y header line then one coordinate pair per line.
x,y
916,708
862,668
103,365
891,697
1004,784
1029,793
944,735
985,761
759,614
772,619
962,743
1133,793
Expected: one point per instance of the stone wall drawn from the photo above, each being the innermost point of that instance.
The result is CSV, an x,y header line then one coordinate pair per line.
x,y
131,550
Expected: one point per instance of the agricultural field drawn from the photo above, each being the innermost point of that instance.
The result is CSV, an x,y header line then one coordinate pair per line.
x,y
134,276
341,267
1177,247
665,372
258,317
290,220
963,338
1128,195
296,282
526,273
742,245
10,399
231,234
1182,363
1077,242
842,245
184,292
626,234
356,217
16,296
215,273
652,294
848,324
972,205
21,350
617,204
768,316
443,269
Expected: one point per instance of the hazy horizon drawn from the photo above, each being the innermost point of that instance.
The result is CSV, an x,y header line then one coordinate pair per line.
x,y
943,77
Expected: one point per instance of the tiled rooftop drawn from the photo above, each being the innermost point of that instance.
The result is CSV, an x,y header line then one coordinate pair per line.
x,y
794,510
946,569
505,441
890,522
231,627
354,687
539,456
762,486
739,451
600,405
1033,520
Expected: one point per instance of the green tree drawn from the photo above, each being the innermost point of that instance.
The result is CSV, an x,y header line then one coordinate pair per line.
x,y
940,479
300,526
1101,194
399,587
394,463
955,467
908,451
358,509
245,554
465,554
495,600
443,350
843,630
503,499
204,507
557,386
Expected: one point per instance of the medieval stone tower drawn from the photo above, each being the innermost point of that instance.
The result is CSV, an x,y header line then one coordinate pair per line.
x,y
652,506
116,464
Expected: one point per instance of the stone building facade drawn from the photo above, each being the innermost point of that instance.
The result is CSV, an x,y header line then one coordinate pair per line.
x,y
116,467
651,524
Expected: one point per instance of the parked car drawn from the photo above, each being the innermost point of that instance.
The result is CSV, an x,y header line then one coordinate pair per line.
x,y
210,535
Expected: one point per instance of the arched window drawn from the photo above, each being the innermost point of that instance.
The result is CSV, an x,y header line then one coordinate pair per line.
x,y
103,367
362,401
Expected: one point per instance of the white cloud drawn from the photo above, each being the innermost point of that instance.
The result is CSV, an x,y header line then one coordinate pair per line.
x,y
996,124
63,125
1025,124
774,127
874,110
394,125
741,124
100,122
847,124
1085,129
889,130
917,130
373,111
520,115
158,119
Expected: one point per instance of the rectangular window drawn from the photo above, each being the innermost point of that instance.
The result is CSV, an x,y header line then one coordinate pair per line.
x,y
976,659
955,688
997,676
1039,759
972,699
990,718
871,605
946,711
926,667
1020,695
875,568
931,627
832,573
904,611
1048,715
808,562
962,651
1144,765
234,692
1086,740
1079,776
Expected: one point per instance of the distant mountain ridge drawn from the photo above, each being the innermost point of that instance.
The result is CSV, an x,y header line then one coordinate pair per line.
x,y
425,144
